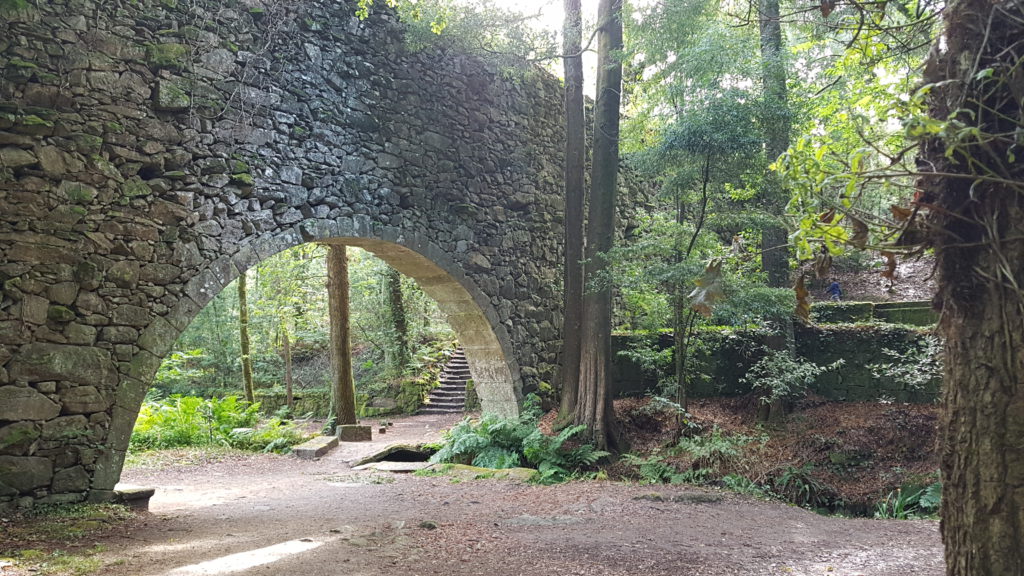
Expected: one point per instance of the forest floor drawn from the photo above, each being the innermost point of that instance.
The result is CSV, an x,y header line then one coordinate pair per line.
x,y
861,279
267,514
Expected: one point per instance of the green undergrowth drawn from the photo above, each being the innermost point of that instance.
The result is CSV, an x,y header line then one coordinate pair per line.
x,y
48,540
189,421
501,443
746,461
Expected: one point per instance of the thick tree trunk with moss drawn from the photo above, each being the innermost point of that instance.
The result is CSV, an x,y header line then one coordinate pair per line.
x,y
976,201
594,406
243,336
575,152
341,341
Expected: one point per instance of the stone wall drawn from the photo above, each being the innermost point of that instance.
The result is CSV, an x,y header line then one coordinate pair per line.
x,y
726,356
150,151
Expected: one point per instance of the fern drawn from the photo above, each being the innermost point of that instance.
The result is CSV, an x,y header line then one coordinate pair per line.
x,y
495,442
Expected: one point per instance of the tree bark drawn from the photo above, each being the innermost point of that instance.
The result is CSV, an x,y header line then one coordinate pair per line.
x,y
575,152
341,340
288,390
976,209
243,332
399,345
777,125
594,406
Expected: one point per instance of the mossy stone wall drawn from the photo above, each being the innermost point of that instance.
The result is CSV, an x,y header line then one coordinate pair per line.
x,y
725,356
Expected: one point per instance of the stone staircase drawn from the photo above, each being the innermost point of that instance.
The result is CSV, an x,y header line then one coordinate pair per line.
x,y
450,396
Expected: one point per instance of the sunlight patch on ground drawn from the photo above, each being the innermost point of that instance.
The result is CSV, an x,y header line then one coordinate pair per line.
x,y
246,560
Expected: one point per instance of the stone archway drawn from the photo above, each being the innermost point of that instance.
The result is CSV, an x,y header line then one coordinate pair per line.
x,y
145,162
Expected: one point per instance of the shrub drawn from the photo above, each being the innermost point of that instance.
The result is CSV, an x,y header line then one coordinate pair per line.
x,y
781,376
800,487
496,442
653,469
716,451
909,502
182,421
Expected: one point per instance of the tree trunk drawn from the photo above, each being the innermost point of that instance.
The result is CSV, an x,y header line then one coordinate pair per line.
x,y
594,406
399,346
288,390
341,340
977,212
243,331
777,124
776,119
575,152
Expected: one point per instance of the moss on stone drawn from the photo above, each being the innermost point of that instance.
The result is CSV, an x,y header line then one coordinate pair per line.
x,y
19,63
135,187
170,56
17,10
243,179
171,97
60,314
113,128
33,120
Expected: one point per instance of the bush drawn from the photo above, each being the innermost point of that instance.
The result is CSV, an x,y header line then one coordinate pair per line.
x,y
183,421
782,376
909,502
496,442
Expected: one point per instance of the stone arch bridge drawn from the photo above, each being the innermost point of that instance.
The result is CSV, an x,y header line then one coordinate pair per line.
x,y
151,151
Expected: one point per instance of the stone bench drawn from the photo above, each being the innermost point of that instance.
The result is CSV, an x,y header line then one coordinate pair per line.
x,y
316,447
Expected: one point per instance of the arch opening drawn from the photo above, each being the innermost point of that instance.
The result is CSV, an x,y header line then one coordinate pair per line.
x,y
468,311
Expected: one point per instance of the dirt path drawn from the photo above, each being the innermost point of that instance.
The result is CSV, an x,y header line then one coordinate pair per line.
x,y
274,515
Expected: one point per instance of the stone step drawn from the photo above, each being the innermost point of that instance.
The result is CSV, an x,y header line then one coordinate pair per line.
x,y
440,411
447,402
448,394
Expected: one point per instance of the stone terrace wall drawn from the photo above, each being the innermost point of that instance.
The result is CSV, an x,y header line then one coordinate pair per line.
x,y
151,150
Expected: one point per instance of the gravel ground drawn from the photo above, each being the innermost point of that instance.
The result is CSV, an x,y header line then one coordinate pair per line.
x,y
271,515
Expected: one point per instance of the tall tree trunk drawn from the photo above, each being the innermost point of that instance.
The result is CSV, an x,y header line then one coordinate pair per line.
x,y
399,346
575,153
594,406
341,340
976,205
243,332
288,389
777,125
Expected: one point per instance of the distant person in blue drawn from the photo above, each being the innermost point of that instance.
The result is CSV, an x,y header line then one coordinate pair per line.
x,y
834,291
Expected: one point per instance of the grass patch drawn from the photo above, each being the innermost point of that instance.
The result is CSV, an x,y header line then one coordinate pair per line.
x,y
47,539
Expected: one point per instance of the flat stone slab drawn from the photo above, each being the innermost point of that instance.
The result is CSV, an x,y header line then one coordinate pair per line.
x,y
396,467
395,453
136,497
355,433
467,472
315,448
